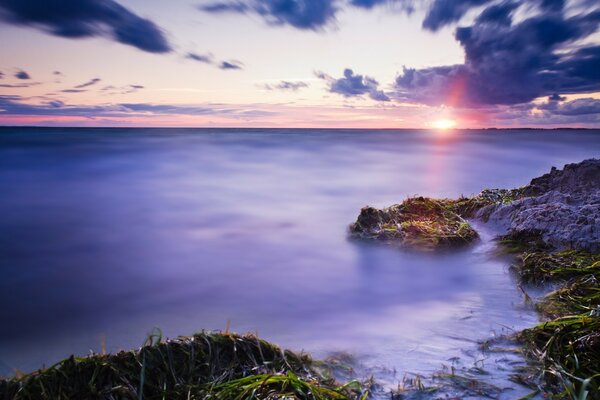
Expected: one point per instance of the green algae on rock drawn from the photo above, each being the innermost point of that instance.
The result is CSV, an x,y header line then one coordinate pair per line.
x,y
419,222
219,366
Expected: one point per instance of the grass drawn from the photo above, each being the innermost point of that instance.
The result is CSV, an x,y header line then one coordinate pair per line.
x,y
203,366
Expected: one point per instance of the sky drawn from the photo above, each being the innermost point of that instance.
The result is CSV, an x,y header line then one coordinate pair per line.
x,y
300,63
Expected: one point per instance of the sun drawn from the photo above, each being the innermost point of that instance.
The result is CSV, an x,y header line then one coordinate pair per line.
x,y
444,124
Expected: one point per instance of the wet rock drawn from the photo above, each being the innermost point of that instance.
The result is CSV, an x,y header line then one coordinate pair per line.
x,y
563,206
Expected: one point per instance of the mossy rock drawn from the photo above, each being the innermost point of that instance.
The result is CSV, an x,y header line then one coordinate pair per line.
x,y
419,222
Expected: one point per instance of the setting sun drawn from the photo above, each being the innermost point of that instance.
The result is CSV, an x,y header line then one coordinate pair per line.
x,y
444,124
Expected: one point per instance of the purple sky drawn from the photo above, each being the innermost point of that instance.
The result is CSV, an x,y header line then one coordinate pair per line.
x,y
294,63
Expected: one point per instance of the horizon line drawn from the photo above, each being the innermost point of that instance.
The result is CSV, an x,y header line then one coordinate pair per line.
x,y
293,128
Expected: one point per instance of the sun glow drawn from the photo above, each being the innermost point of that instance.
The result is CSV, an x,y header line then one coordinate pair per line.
x,y
444,124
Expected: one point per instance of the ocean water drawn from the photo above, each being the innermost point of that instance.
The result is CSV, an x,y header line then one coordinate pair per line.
x,y
108,233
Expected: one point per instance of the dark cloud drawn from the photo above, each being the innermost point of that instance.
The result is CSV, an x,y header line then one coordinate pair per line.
x,y
301,14
286,85
1,75
230,65
91,82
509,63
500,14
57,73
73,90
22,75
203,58
573,108
444,12
405,5
86,18
556,97
351,85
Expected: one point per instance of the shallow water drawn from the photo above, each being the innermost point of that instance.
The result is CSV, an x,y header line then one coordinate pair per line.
x,y
105,234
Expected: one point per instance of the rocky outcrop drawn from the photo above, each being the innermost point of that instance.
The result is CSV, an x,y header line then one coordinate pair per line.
x,y
563,207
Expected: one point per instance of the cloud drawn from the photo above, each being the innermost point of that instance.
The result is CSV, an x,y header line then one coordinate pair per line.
x,y
112,90
286,85
556,97
86,18
230,65
576,107
19,85
444,12
17,105
91,82
351,85
203,58
500,14
1,75
404,5
301,14
508,63
22,75
73,90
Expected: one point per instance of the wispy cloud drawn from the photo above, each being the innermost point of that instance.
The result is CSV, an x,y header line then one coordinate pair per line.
x,y
203,58
293,86
17,105
19,85
89,83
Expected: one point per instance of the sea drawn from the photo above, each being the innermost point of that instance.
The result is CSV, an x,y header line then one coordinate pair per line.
x,y
108,234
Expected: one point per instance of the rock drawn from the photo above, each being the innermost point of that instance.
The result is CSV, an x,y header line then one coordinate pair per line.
x,y
418,222
563,206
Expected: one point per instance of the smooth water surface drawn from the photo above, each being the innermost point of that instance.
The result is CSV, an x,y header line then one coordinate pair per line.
x,y
107,233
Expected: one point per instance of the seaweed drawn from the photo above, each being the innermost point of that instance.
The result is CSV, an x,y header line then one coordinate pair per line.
x,y
541,267
569,349
568,345
202,366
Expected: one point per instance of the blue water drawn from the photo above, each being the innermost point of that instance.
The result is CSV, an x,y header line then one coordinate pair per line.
x,y
107,233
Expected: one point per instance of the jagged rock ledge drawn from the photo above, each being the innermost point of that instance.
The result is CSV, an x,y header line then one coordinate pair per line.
x,y
563,207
